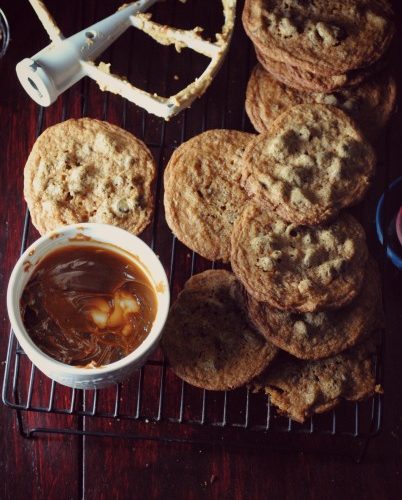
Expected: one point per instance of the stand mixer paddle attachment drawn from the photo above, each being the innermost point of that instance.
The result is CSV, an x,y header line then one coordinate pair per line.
x,y
47,74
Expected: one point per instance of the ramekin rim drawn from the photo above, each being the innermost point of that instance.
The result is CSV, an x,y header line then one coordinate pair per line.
x,y
142,350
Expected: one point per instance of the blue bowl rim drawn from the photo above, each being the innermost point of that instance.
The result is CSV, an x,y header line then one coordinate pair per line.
x,y
395,258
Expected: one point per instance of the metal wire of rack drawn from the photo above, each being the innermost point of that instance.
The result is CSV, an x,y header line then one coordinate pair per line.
x,y
154,394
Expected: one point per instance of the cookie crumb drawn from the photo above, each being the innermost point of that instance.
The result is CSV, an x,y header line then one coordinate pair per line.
x,y
213,478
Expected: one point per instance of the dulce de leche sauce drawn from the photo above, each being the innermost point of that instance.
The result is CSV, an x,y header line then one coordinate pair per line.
x,y
86,305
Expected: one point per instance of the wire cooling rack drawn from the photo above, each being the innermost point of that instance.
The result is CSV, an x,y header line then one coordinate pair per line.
x,y
154,395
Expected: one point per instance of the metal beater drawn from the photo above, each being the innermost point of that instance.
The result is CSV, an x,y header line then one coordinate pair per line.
x,y
46,75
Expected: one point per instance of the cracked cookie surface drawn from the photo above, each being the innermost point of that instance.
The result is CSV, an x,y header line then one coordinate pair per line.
x,y
203,196
207,339
296,267
87,170
312,163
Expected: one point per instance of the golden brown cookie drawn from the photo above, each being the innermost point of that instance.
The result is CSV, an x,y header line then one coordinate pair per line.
x,y
89,171
301,388
325,36
370,104
203,196
296,267
306,81
322,334
313,163
207,338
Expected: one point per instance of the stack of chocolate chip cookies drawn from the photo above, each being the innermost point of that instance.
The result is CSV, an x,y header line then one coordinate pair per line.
x,y
326,51
297,317
310,286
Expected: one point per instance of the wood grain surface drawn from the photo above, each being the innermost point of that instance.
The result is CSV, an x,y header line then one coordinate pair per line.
x,y
70,467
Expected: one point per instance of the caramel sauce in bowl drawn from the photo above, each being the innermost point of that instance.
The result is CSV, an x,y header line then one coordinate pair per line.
x,y
88,303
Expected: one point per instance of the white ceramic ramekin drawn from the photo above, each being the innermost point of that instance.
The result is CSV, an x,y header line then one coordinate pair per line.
x,y
101,235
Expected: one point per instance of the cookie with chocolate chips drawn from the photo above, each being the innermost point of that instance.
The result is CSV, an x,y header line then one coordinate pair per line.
x,y
89,171
207,339
312,163
296,267
302,388
327,37
321,334
370,104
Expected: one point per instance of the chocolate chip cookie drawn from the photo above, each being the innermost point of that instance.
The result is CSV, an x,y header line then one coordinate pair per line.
x,y
207,338
306,81
203,196
325,36
296,267
370,104
301,388
322,334
312,163
89,171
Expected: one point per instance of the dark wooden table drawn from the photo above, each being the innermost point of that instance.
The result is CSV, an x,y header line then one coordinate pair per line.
x,y
291,466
